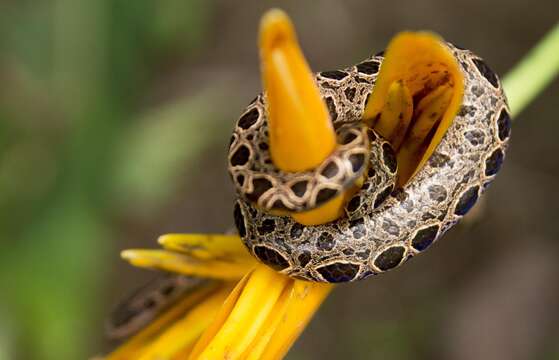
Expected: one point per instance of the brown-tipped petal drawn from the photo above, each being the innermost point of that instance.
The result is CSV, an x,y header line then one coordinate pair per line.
x,y
423,62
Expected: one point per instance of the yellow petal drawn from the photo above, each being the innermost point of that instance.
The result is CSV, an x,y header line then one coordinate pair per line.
x,y
396,115
268,328
219,319
182,264
422,62
428,113
244,321
305,299
330,211
301,133
183,333
207,246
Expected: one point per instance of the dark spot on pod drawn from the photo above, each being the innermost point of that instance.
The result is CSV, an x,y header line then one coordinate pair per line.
x,y
348,251
299,188
428,216
240,180
390,227
390,258
248,119
267,227
335,74
296,231
263,146
493,162
123,315
467,177
350,93
371,134
466,201
239,220
250,137
382,196
325,241
364,254
260,186
504,125
240,156
439,160
475,137
357,161
167,289
348,137
331,108
478,91
338,272
437,193
389,157
149,303
357,227
304,258
371,172
486,72
380,53
325,195
354,203
368,67
367,99
467,110
330,170
401,195
362,80
270,257
424,237
279,205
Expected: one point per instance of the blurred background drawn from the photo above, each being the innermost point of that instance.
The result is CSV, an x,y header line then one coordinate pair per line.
x,y
114,121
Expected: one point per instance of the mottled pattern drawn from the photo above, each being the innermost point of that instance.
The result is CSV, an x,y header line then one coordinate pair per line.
x,y
384,226
147,302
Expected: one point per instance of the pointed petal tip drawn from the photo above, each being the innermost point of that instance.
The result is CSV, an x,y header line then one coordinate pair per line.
x,y
128,254
301,133
275,27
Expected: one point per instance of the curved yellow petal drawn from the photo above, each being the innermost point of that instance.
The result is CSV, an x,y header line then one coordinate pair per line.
x,y
422,63
182,264
305,299
268,328
219,319
301,133
183,333
207,246
255,303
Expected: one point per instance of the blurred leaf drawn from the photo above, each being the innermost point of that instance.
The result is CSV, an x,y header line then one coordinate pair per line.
x,y
155,154
182,23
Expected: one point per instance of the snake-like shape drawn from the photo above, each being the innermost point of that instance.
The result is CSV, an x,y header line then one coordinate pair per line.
x,y
384,225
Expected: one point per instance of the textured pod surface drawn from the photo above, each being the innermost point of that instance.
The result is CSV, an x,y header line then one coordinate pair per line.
x,y
386,226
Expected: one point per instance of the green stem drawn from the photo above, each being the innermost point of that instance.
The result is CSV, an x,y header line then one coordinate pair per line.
x,y
534,72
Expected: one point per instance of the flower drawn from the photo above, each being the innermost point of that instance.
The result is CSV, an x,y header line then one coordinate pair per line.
x,y
245,309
